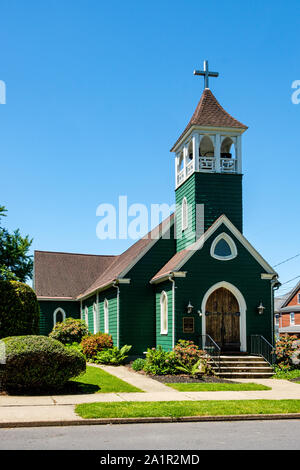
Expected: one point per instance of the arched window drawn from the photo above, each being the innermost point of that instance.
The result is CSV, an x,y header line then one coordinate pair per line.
x,y
184,214
86,316
95,318
190,150
59,316
227,148
180,162
223,248
106,316
206,148
163,313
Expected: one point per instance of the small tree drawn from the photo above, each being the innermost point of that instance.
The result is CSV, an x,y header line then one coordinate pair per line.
x,y
19,309
15,263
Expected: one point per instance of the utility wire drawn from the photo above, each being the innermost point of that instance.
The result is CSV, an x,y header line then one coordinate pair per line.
x,y
286,260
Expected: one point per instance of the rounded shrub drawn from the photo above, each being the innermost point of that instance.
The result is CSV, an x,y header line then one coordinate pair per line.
x,y
93,344
19,309
39,362
69,331
188,353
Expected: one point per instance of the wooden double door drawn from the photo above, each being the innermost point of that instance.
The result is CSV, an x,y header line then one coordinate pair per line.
x,y
223,319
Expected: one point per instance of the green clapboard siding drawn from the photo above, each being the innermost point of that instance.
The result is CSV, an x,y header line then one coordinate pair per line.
x,y
244,272
48,307
219,193
137,299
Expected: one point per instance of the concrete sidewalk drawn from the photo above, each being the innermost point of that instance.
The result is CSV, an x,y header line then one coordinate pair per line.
x,y
59,409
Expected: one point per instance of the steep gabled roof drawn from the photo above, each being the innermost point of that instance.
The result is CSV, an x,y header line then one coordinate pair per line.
x,y
209,113
65,275
290,295
180,259
123,263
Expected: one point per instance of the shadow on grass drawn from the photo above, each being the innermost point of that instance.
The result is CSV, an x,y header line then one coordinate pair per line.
x,y
70,388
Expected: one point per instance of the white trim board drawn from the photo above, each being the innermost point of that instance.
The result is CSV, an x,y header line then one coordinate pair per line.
x,y
224,220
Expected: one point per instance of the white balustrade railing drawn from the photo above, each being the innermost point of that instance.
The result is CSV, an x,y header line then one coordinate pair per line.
x,y
189,168
207,164
180,177
228,165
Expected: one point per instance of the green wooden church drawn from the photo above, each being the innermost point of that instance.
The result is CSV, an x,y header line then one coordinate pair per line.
x,y
203,282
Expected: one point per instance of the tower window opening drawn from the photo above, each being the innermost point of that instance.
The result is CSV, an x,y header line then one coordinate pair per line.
x,y
228,148
206,148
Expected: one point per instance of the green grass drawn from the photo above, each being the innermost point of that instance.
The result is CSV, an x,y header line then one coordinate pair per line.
x,y
186,408
286,374
216,387
96,380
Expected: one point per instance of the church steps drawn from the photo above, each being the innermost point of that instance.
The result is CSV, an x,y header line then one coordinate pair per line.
x,y
242,366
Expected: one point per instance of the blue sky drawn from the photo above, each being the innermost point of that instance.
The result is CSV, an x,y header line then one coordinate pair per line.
x,y
97,93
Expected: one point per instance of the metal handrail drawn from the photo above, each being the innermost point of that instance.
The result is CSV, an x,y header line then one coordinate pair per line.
x,y
212,349
260,346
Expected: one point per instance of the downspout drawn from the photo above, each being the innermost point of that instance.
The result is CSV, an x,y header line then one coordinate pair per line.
x,y
116,286
275,284
173,310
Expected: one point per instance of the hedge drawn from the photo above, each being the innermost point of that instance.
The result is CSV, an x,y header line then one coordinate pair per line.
x,y
39,362
19,309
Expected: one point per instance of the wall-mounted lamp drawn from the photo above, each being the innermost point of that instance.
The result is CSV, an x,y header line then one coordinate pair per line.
x,y
260,308
190,307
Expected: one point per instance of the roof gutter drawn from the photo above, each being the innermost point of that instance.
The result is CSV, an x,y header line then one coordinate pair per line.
x,y
166,277
105,287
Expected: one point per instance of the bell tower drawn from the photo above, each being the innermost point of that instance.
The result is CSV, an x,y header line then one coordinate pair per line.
x,y
208,168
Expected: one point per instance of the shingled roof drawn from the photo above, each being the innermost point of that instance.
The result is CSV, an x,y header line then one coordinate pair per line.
x,y
73,276
65,275
209,113
122,263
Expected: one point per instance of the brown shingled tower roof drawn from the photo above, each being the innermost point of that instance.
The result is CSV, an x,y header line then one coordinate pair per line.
x,y
209,113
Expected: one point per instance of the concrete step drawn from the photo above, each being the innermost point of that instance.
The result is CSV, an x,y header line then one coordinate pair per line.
x,y
245,375
242,364
242,358
244,369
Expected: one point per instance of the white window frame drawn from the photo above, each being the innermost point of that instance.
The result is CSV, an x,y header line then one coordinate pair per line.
x,y
231,244
292,318
86,316
59,309
106,316
184,214
164,310
95,318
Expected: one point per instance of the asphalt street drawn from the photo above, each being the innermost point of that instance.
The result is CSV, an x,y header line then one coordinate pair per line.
x,y
238,435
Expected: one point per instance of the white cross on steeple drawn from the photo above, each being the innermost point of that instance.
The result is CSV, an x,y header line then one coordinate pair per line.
x,y
206,73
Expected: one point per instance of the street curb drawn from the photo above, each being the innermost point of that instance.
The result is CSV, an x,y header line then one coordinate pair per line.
x,y
184,419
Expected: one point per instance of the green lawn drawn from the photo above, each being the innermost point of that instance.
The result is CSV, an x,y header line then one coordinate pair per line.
x,y
186,408
216,387
96,380
286,374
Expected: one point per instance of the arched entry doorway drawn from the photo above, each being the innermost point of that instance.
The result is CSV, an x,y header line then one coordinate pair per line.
x,y
222,319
